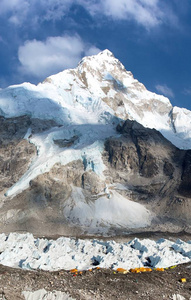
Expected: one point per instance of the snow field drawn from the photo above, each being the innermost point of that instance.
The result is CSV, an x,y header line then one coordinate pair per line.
x,y
108,210
25,251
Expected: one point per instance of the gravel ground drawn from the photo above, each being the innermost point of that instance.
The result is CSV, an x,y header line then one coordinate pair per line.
x,y
98,284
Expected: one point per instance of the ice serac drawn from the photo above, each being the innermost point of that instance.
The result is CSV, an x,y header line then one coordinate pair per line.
x,y
95,152
30,253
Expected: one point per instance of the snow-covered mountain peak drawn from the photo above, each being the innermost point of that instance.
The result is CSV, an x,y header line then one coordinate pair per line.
x,y
103,61
96,91
105,55
106,52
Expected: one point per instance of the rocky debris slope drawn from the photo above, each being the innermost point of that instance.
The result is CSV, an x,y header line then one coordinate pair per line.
x,y
100,284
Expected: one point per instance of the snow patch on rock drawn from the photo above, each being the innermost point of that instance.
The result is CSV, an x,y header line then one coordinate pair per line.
x,y
110,209
44,295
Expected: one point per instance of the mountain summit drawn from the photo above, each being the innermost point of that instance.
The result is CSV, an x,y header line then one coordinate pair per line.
x,y
91,150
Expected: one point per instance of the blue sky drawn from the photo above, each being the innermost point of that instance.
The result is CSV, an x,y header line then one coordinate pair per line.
x,y
152,38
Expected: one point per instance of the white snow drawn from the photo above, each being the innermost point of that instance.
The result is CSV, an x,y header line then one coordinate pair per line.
x,y
182,124
118,210
25,251
110,209
178,297
44,295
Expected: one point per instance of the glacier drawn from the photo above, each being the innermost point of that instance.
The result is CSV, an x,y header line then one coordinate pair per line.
x,y
26,252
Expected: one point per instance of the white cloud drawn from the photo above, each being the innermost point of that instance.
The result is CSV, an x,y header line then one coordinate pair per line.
x,y
187,91
44,58
15,20
147,13
165,90
7,6
19,11
16,9
55,9
144,12
1,39
92,51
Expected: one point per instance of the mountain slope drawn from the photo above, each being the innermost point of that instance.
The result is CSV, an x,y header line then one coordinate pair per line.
x,y
79,173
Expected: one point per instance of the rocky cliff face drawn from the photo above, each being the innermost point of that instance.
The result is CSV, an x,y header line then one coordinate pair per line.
x,y
15,152
154,171
82,153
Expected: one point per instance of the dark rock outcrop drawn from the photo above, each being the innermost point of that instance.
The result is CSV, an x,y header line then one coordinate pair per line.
x,y
185,186
153,170
15,152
